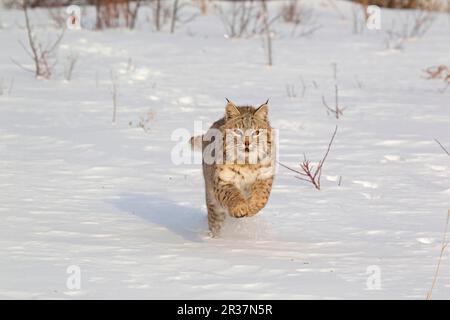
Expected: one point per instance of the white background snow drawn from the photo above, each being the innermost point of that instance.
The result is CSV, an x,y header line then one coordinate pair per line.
x,y
76,189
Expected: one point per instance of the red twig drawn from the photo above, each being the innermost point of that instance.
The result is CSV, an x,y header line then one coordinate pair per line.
x,y
308,173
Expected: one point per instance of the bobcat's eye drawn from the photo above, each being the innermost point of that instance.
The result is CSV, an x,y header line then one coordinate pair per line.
x,y
238,132
256,133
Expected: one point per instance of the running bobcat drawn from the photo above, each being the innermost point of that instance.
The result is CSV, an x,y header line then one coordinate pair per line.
x,y
241,183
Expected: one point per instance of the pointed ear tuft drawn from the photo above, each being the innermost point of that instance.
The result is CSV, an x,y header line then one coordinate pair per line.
x,y
231,110
263,111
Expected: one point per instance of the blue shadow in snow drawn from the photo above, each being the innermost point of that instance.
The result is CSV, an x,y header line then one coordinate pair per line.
x,y
187,222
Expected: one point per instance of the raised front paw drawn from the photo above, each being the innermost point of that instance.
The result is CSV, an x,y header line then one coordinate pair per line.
x,y
239,210
255,205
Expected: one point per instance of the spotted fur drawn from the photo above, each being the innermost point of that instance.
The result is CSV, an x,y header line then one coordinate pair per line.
x,y
238,189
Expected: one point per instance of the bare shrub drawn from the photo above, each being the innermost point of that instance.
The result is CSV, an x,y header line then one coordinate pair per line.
x,y
161,13
58,17
337,110
394,39
293,91
414,25
290,11
44,57
245,18
70,66
439,72
240,19
178,17
114,95
116,13
422,22
333,6
133,12
302,18
308,172
145,121
109,13
157,14
402,4
174,15
17,4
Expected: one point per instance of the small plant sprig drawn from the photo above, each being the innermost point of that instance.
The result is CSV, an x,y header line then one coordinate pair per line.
x,y
308,172
438,72
337,111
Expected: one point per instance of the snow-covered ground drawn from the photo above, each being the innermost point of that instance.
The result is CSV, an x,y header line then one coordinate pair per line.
x,y
77,190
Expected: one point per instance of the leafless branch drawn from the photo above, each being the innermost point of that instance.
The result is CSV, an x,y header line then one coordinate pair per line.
x,y
176,16
308,172
42,56
114,95
71,61
441,72
444,245
267,32
338,111
442,146
301,17
22,67
241,19
134,14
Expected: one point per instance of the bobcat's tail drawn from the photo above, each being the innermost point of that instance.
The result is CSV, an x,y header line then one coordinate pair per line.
x,y
196,143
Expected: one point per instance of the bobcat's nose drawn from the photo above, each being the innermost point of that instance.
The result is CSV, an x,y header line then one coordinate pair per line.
x,y
247,144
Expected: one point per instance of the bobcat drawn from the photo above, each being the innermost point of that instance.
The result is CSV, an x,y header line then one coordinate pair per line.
x,y
239,185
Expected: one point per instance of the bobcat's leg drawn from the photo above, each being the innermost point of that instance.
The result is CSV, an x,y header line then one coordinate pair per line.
x,y
259,196
216,217
230,197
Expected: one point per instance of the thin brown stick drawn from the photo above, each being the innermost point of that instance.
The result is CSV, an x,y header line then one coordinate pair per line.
x,y
289,168
31,40
114,96
174,16
22,67
134,14
442,146
319,167
337,110
267,32
443,247
72,60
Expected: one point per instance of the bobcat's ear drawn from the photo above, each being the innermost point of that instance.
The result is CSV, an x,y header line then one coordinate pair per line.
x,y
231,110
263,111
